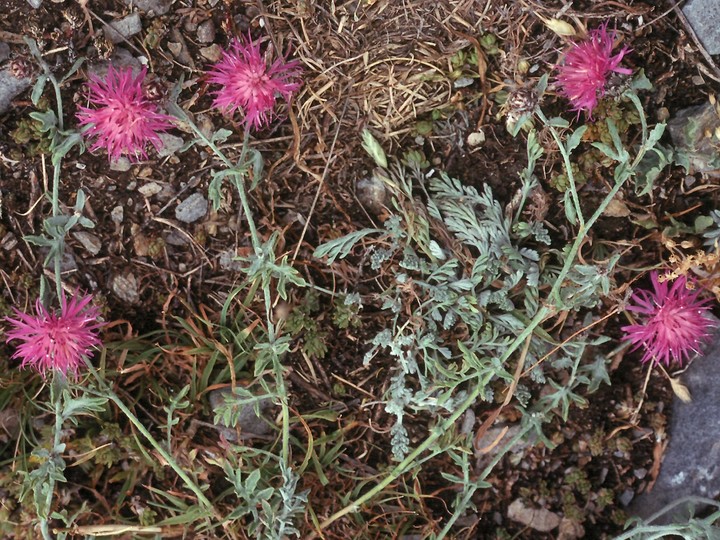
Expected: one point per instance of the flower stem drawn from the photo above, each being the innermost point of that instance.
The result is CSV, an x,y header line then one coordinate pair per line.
x,y
239,183
56,397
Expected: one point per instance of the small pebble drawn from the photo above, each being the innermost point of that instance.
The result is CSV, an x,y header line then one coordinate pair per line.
x,y
10,86
213,53
9,241
192,209
372,193
124,28
151,7
626,497
150,189
121,164
476,138
4,51
174,238
126,288
170,144
117,214
206,32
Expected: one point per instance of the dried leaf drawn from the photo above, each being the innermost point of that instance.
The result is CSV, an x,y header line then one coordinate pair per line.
x,y
680,390
561,28
616,208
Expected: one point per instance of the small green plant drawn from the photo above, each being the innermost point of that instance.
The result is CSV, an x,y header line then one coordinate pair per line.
x,y
499,296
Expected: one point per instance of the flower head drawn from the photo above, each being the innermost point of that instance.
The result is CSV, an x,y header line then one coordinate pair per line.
x,y
583,73
674,322
123,120
56,341
247,82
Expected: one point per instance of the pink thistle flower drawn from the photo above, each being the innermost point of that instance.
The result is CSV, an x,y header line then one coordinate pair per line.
x,y
586,67
248,83
56,341
674,321
123,119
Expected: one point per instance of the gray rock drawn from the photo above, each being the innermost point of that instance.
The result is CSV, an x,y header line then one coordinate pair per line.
x,y
117,214
9,241
227,260
125,287
121,164
372,192
35,3
212,53
4,51
175,238
691,465
192,209
150,189
120,59
704,17
251,421
206,32
124,28
179,49
151,7
10,86
89,241
170,144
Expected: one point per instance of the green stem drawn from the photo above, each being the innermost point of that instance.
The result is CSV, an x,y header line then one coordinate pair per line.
x,y
239,182
445,427
567,165
57,259
105,391
460,508
174,109
56,397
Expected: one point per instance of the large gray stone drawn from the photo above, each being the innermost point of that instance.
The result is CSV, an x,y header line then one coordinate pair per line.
x,y
704,17
693,133
10,86
691,465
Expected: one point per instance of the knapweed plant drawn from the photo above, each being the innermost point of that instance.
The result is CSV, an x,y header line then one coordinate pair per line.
x,y
479,294
60,344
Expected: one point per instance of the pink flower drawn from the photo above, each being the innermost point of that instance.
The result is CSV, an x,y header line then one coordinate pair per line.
x,y
248,83
674,322
123,119
56,341
585,69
